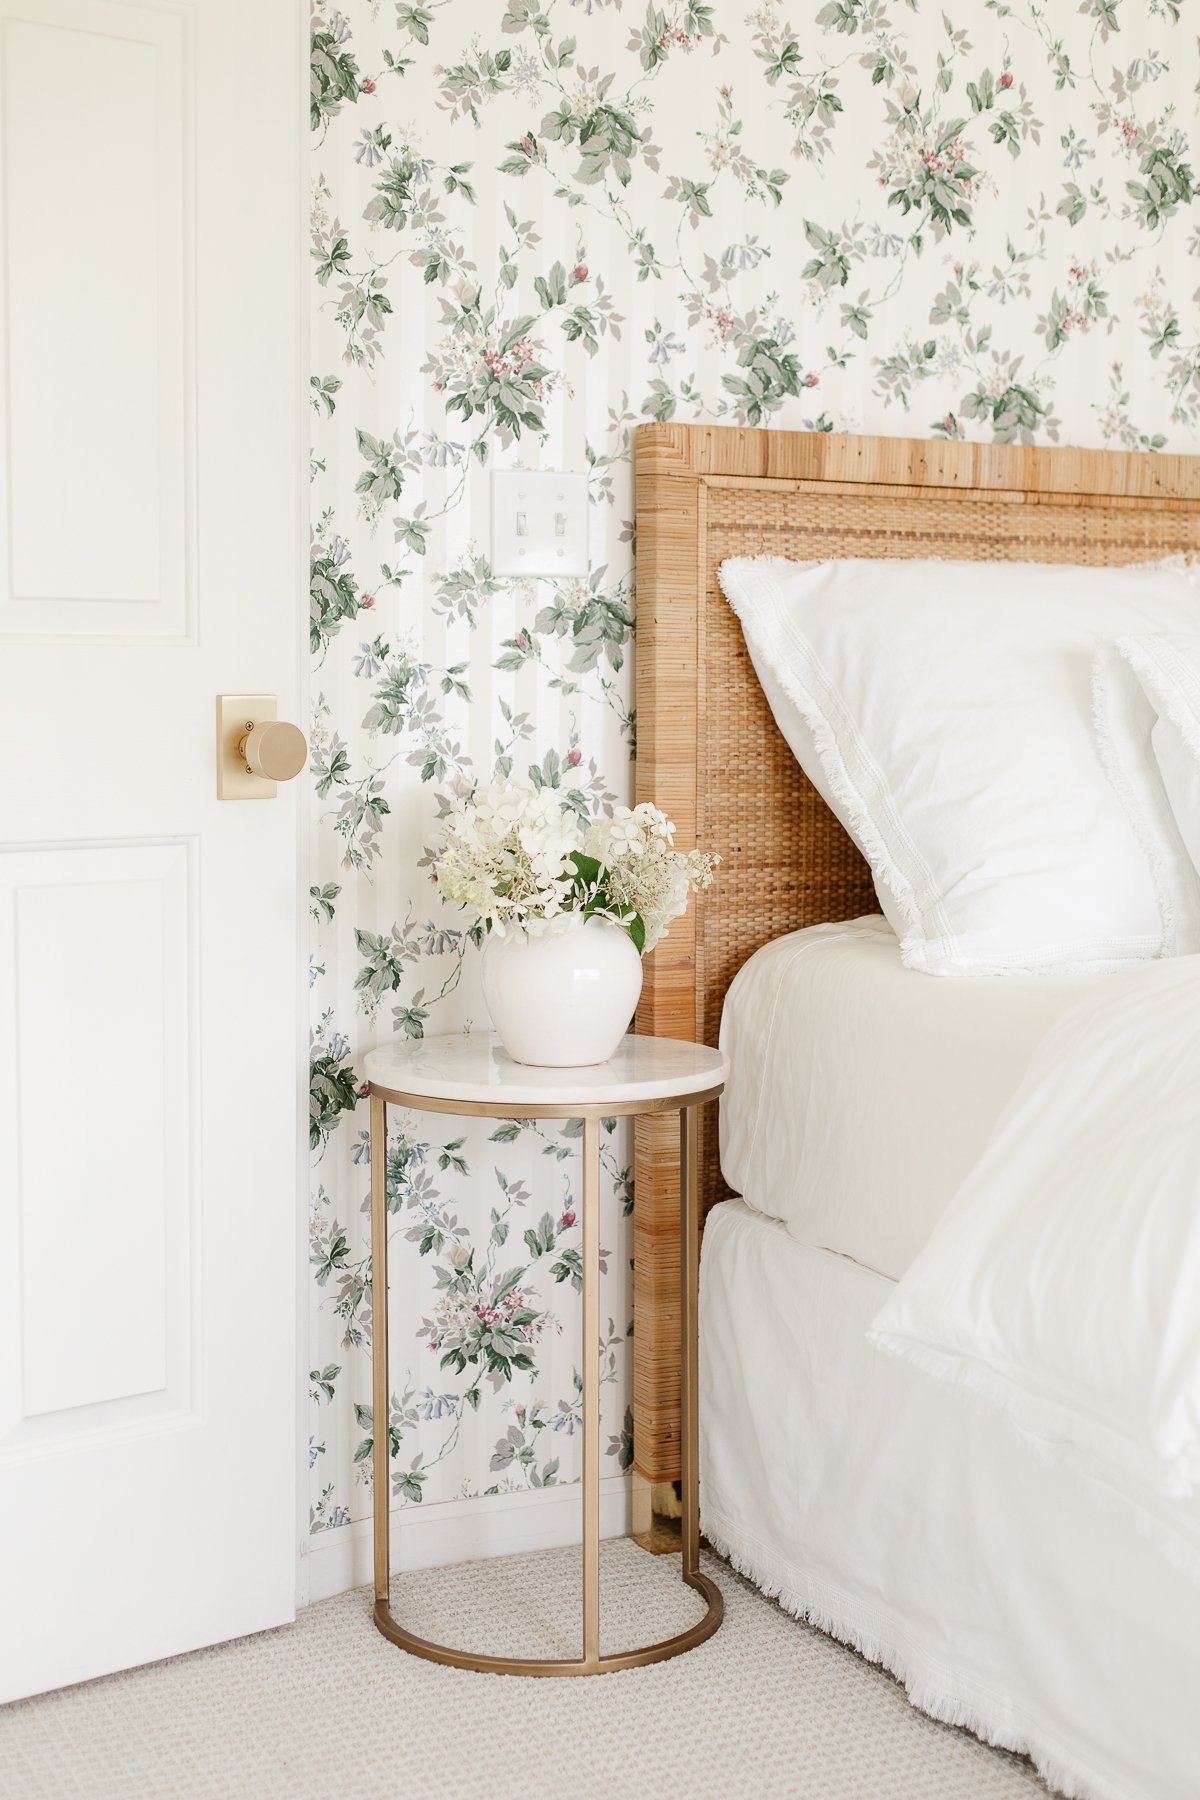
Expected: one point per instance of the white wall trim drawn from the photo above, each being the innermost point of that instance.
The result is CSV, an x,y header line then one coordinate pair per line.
x,y
457,1531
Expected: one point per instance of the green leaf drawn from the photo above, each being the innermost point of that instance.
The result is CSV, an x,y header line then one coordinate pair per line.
x,y
551,289
416,20
587,866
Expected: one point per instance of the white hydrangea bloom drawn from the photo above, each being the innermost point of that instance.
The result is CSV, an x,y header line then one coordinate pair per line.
x,y
508,852
641,874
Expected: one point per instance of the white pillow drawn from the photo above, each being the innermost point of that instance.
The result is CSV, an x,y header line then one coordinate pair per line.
x,y
1060,1285
943,710
1148,717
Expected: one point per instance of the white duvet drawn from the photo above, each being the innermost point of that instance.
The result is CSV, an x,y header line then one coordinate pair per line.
x,y
1062,1284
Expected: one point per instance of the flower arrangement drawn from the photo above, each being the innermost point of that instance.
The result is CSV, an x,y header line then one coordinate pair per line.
x,y
521,860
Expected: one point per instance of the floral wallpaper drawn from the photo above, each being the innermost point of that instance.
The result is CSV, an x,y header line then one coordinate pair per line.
x,y
536,223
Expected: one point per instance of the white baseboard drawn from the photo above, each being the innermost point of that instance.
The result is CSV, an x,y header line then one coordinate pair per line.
x,y
426,1537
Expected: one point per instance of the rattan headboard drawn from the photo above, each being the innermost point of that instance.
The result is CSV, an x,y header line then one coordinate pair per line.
x,y
709,751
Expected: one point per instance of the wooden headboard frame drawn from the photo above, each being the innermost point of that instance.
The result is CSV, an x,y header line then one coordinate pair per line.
x,y
709,751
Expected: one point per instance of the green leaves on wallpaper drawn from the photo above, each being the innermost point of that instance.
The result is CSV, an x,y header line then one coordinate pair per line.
x,y
535,224
332,590
332,1090
393,191
771,375
388,462
334,72
1167,183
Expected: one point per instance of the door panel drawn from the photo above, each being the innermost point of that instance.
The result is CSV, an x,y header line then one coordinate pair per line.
x,y
150,1006
98,204
85,1352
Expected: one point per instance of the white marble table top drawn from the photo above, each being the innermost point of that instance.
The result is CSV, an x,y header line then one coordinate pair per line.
x,y
475,1068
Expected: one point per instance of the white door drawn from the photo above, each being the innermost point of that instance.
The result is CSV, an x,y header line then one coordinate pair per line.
x,y
150,559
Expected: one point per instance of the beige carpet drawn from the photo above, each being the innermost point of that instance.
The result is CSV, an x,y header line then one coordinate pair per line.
x,y
327,1708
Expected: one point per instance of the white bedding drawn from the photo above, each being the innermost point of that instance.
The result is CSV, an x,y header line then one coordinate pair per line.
x,y
1062,1286
861,1092
1004,1594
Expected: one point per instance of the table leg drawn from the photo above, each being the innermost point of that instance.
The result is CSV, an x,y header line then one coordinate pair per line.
x,y
591,1392
590,1662
689,1382
380,1399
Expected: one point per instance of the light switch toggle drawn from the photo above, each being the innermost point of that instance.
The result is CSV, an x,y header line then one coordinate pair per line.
x,y
254,748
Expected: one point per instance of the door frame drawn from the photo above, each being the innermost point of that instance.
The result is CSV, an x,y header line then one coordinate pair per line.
x,y
304,829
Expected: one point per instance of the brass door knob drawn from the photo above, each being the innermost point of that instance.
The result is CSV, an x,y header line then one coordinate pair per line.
x,y
274,750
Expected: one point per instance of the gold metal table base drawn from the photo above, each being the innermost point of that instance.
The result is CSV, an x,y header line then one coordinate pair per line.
x,y
591,1662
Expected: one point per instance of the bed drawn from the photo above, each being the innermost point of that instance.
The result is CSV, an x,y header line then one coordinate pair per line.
x,y
853,1491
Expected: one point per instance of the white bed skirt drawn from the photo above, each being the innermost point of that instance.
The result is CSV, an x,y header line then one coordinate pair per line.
x,y
884,1509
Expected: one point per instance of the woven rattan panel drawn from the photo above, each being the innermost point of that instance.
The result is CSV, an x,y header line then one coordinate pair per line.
x,y
787,861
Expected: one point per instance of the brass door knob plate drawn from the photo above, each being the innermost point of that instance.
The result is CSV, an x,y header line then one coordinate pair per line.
x,y
255,750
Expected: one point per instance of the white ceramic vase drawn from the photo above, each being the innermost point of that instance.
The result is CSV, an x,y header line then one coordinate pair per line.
x,y
564,998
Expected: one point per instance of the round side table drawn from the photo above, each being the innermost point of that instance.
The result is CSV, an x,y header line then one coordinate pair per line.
x,y
473,1074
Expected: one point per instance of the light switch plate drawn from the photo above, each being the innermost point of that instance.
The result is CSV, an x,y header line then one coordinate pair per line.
x,y
539,522
235,714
